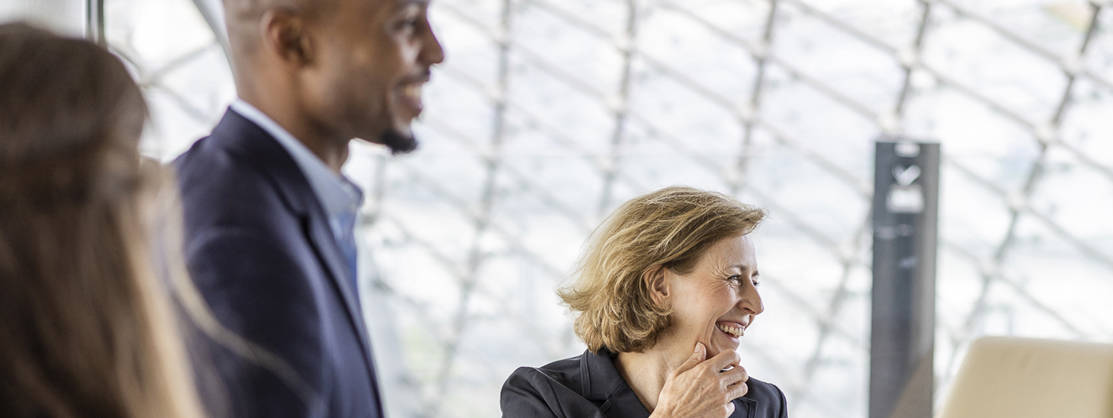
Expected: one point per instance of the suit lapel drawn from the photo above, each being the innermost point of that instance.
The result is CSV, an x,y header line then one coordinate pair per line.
x,y
328,251
744,408
260,149
602,382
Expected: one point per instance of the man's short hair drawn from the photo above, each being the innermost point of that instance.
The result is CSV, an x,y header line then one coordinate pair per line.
x,y
672,228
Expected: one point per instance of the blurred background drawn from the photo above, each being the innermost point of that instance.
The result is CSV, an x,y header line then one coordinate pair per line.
x,y
549,113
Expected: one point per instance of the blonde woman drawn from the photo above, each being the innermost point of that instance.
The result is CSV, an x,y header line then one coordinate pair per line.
x,y
666,290
86,329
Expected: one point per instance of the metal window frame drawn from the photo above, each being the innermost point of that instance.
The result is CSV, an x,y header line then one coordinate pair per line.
x,y
94,22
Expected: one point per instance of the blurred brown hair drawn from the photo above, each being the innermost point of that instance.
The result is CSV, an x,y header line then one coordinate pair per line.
x,y
86,327
672,228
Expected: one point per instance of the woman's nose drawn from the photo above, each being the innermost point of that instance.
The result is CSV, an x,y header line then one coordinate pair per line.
x,y
751,300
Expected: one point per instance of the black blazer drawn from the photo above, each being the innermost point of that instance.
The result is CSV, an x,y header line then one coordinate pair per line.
x,y
259,248
589,385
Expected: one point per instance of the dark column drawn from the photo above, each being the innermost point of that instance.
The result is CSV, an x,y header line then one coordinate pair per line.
x,y
905,218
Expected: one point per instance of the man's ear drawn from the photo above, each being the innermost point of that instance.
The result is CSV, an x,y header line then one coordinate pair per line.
x,y
286,35
658,285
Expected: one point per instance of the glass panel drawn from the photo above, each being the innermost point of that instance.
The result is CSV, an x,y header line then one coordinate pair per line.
x,y
63,16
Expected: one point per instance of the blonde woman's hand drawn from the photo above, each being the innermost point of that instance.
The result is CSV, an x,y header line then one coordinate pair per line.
x,y
700,389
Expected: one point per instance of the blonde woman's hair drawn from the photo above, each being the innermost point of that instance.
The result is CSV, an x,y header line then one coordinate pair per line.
x,y
669,228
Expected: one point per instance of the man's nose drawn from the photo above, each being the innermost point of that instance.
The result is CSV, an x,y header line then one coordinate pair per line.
x,y
432,52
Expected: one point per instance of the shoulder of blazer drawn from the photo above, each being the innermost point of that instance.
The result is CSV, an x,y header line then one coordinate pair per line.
x,y
590,375
240,155
764,390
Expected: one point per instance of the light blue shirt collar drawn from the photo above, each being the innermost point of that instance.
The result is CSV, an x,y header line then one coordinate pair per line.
x,y
339,196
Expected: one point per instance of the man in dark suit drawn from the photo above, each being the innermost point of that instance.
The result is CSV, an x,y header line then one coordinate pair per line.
x,y
268,215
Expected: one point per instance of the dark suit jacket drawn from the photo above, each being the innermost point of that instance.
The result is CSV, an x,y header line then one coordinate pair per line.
x,y
259,248
589,385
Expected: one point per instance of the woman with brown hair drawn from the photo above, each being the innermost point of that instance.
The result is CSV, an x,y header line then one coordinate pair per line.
x,y
85,324
666,290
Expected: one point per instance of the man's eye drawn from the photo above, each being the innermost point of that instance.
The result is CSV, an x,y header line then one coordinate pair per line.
x,y
407,24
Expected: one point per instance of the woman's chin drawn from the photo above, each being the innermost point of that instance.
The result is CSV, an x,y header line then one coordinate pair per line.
x,y
722,341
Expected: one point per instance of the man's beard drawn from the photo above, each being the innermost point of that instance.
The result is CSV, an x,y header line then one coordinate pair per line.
x,y
397,142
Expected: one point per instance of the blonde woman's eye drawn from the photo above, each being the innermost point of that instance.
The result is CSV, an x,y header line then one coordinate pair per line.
x,y
735,280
